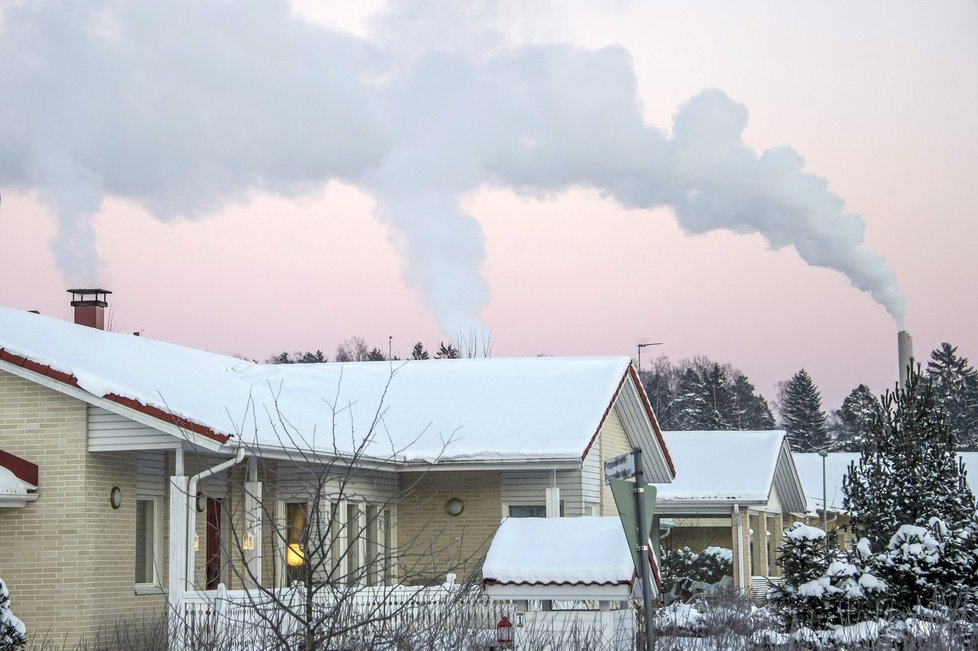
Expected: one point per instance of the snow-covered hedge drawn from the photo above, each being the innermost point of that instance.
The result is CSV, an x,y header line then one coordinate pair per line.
x,y
708,566
13,633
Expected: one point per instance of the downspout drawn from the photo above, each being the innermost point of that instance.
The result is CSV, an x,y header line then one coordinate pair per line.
x,y
740,546
192,510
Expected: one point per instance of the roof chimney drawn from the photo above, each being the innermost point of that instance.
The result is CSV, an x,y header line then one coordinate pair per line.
x,y
90,306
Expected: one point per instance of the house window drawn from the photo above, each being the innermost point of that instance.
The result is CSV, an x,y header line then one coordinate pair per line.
x,y
380,543
148,534
532,510
296,562
354,536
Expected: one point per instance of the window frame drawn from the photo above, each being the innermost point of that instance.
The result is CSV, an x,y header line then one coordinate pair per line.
x,y
155,585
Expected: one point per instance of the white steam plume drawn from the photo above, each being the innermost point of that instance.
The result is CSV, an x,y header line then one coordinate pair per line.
x,y
184,106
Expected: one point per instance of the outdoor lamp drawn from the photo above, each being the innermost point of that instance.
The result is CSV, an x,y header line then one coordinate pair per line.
x,y
115,497
454,507
295,556
249,542
504,632
196,543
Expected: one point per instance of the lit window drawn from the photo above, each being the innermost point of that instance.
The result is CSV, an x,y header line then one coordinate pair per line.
x,y
295,551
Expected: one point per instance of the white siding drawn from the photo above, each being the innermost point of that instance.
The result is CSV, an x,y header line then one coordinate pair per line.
x,y
592,475
529,487
297,482
110,432
150,474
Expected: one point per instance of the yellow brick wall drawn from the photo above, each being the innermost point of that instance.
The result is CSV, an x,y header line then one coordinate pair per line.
x,y
612,441
432,543
68,557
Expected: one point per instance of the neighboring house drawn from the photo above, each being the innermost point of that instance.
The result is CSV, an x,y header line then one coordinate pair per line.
x,y
836,467
158,466
735,490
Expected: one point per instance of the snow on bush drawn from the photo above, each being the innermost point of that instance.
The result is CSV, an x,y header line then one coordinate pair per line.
x,y
13,633
709,566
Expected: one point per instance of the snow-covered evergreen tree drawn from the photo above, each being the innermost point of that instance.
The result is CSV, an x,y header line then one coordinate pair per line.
x,y
750,410
855,420
909,472
13,633
690,409
803,560
932,565
659,386
802,415
719,398
955,384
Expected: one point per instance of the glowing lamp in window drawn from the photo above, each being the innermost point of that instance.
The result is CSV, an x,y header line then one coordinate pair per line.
x,y
295,555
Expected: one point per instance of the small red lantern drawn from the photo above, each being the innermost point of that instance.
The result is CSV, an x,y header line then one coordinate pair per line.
x,y
504,632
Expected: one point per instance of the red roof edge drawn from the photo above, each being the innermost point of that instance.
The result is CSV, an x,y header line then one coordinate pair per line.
x,y
648,410
23,469
495,582
155,412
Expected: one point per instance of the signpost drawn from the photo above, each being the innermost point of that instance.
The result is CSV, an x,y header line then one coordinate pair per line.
x,y
636,505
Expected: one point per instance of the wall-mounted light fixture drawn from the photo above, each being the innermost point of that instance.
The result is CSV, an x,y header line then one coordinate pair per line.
x,y
115,497
201,502
248,543
454,507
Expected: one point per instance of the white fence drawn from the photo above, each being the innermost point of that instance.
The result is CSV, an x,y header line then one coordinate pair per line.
x,y
253,620
386,617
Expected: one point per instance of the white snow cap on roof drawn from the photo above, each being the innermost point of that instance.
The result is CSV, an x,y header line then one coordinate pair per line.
x,y
559,551
541,408
10,484
722,465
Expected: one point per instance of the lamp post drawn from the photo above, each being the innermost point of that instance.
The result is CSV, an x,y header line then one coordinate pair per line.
x,y
640,347
825,504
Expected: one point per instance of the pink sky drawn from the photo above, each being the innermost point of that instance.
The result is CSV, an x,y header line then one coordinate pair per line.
x,y
882,100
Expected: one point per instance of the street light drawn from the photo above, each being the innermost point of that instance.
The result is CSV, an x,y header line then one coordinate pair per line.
x,y
640,347
825,507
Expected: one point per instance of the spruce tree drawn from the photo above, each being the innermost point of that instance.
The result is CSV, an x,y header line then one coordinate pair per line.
x,y
750,410
802,415
691,410
418,352
909,472
13,635
718,396
955,384
658,385
855,417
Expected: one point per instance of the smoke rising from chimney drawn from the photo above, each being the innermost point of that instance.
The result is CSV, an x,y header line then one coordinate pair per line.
x,y
186,106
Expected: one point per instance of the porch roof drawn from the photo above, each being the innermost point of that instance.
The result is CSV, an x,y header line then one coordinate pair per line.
x,y
721,468
439,410
18,481
559,551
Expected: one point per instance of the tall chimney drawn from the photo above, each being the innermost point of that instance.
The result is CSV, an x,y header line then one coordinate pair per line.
x,y
905,354
90,306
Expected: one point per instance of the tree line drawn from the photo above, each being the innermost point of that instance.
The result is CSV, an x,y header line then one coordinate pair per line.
x,y
355,349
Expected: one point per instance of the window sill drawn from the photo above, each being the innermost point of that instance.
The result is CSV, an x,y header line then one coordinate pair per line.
x,y
146,588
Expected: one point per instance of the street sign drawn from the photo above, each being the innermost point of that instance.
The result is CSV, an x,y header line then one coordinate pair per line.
x,y
624,494
620,467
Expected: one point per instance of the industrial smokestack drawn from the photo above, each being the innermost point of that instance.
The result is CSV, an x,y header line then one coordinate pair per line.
x,y
905,354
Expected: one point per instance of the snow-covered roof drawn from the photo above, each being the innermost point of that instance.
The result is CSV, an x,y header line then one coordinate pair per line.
x,y
809,466
559,551
486,409
731,467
